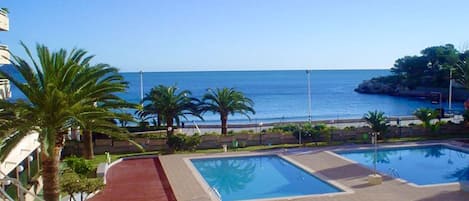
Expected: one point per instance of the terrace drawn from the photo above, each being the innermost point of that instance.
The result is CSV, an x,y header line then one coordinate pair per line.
x,y
352,176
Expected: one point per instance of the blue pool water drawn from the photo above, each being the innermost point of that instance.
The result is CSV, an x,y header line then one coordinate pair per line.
x,y
255,177
422,165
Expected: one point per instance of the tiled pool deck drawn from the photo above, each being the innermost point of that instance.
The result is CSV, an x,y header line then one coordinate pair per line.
x,y
136,180
350,175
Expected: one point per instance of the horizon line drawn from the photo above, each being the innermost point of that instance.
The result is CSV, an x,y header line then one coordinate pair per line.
x,y
249,70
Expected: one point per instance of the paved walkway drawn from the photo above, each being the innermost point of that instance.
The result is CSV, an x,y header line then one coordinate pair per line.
x,y
136,180
190,130
352,176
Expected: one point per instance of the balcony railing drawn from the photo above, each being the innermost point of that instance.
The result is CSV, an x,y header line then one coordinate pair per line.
x,y
4,21
5,92
4,55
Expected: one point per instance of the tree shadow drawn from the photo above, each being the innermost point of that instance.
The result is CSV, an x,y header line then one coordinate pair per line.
x,y
447,196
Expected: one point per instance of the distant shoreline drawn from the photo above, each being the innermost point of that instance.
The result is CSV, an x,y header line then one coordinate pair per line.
x,y
253,125
255,70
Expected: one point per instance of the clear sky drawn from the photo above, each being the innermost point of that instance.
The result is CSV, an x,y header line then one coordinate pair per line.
x,y
174,35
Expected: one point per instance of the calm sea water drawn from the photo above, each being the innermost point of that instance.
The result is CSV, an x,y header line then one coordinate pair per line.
x,y
282,95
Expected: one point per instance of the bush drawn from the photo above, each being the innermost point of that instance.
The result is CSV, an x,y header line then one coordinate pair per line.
x,y
466,116
176,141
79,165
184,142
191,142
155,135
212,133
72,183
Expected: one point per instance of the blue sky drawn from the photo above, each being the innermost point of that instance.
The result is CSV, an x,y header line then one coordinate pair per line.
x,y
173,35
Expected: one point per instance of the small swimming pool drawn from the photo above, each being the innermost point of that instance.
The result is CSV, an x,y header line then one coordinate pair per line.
x,y
257,177
421,165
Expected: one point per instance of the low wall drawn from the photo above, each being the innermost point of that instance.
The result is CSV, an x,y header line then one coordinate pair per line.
x,y
216,141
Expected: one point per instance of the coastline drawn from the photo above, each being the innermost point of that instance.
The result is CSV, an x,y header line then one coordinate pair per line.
x,y
271,124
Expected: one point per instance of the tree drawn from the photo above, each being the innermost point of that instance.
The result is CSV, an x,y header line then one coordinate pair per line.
x,y
377,121
171,105
61,90
103,124
430,69
226,101
426,115
149,111
107,102
462,70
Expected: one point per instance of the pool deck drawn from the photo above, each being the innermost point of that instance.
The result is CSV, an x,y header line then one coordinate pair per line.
x,y
351,176
139,179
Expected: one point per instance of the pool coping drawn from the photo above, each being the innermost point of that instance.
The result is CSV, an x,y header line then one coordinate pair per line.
x,y
206,187
334,151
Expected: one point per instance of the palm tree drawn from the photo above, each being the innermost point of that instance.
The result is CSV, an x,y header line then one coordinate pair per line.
x,y
61,89
149,111
110,82
377,121
11,122
226,101
462,71
103,124
426,115
171,105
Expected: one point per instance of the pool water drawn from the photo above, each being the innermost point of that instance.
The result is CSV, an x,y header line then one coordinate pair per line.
x,y
421,165
256,177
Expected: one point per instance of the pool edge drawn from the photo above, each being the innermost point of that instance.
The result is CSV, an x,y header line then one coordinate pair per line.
x,y
447,144
343,189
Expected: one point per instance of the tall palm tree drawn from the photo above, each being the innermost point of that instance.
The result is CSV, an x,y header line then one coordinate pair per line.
x,y
171,105
110,81
377,121
226,101
61,89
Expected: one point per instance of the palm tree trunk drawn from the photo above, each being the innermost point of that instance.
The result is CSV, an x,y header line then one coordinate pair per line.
x,y
224,127
50,173
88,152
158,117
169,126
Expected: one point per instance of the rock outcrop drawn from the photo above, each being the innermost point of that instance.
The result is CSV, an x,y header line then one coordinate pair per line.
x,y
375,86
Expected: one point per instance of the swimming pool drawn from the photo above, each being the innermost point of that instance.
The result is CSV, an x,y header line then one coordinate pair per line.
x,y
258,177
421,165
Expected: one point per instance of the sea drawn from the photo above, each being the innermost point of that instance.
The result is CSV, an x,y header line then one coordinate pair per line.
x,y
282,95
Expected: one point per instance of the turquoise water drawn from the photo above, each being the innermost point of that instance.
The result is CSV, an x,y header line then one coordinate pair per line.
x,y
422,165
282,95
255,177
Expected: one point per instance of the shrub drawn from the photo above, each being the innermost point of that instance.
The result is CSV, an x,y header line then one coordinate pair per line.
x,y
286,128
212,133
191,142
426,115
155,135
176,141
72,183
184,142
466,116
79,165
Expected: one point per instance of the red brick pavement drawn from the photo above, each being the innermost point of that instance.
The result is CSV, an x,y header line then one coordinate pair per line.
x,y
136,180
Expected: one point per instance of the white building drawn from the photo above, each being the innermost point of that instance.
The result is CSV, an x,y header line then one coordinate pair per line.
x,y
19,170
